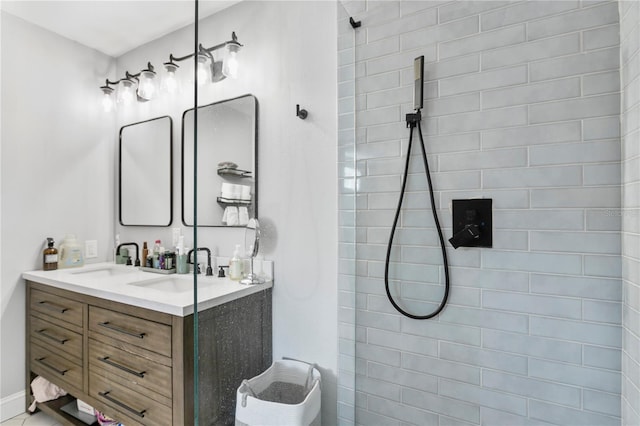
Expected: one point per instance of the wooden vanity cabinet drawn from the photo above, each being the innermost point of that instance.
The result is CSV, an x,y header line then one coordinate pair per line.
x,y
136,365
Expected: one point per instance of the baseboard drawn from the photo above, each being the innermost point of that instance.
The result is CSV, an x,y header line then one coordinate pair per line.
x,y
12,405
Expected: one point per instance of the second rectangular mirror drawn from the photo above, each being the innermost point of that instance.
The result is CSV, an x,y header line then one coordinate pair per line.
x,y
146,173
227,187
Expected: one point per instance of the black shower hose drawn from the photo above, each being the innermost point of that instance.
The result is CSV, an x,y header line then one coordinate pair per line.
x,y
412,125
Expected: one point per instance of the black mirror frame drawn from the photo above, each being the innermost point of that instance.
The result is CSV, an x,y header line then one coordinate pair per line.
x,y
255,161
170,172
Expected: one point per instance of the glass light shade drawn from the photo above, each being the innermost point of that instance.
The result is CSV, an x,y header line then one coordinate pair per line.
x,y
170,82
107,99
204,74
126,92
216,71
230,67
147,85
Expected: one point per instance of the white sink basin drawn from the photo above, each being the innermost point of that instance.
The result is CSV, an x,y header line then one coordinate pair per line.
x,y
170,284
106,272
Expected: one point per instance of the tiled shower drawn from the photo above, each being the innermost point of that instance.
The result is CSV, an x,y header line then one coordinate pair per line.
x,y
533,104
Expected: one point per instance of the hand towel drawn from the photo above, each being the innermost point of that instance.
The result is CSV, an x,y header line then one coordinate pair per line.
x,y
232,216
243,216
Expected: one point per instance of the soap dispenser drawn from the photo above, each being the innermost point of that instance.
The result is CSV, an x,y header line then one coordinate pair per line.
x,y
235,265
70,252
50,256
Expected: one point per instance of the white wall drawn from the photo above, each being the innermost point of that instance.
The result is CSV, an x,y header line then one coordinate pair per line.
x,y
289,57
57,167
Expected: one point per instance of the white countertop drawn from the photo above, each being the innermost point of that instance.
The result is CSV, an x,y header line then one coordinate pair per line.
x,y
172,294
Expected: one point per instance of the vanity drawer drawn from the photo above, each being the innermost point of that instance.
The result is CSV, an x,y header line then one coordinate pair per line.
x,y
134,368
135,404
57,369
56,338
58,307
137,331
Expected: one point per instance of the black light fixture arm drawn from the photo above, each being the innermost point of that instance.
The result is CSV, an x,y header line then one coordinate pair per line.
x,y
206,50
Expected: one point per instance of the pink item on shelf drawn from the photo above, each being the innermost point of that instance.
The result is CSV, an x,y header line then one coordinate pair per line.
x,y
43,391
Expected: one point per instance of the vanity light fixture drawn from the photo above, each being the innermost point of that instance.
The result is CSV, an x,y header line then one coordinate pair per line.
x,y
107,98
204,68
126,89
144,86
170,83
230,68
147,83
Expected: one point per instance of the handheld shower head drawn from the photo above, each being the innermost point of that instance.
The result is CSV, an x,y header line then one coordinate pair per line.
x,y
418,82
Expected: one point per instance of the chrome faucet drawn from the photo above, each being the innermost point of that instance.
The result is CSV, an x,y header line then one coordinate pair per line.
x,y
129,258
189,260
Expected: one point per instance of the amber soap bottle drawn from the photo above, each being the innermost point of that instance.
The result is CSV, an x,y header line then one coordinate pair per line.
x,y
50,256
145,253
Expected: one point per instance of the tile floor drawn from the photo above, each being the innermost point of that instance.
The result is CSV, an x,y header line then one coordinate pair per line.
x,y
38,419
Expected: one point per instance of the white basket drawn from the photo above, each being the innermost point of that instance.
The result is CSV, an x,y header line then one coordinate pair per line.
x,y
253,411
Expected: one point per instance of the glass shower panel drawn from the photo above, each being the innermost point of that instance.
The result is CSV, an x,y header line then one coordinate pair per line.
x,y
232,334
347,203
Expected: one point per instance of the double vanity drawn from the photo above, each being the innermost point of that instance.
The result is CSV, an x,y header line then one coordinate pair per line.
x,y
122,340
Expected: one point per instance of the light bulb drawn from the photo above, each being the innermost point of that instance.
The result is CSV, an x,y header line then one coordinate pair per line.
x,y
203,70
147,86
170,83
126,92
230,67
107,99
107,103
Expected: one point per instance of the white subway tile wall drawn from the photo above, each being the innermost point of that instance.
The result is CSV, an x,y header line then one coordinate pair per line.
x,y
630,215
522,105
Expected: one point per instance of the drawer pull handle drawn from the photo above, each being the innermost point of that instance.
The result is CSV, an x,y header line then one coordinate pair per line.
x,y
48,336
53,306
106,360
122,405
41,361
106,324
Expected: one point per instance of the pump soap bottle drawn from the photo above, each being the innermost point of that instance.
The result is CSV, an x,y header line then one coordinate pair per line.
x,y
70,252
50,256
235,265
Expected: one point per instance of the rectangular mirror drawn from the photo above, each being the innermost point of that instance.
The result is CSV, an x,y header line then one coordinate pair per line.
x,y
226,163
146,173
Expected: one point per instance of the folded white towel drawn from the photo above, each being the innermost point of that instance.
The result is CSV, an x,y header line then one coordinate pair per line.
x,y
243,216
232,216
225,215
245,192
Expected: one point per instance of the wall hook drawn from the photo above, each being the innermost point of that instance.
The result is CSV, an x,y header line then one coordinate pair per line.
x,y
302,113
353,23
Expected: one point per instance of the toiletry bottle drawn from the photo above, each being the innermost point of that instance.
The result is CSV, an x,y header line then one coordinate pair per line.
x,y
117,259
182,266
161,259
156,254
169,260
145,253
70,253
50,256
235,265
